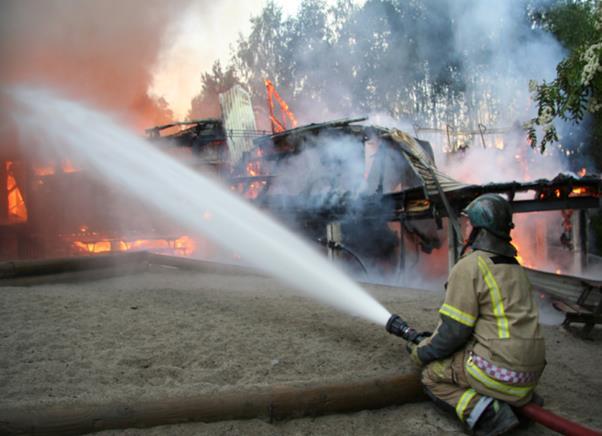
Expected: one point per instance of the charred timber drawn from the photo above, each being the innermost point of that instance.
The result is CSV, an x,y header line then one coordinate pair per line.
x,y
556,194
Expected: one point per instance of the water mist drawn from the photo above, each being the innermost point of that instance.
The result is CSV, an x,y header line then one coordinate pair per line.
x,y
128,161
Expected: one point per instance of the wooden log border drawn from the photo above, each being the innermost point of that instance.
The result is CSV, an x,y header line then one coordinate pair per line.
x,y
33,272
268,403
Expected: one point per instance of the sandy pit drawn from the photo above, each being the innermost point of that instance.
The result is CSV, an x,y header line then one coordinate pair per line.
x,y
170,333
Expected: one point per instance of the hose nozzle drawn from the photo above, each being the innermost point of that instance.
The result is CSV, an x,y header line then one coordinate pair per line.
x,y
398,327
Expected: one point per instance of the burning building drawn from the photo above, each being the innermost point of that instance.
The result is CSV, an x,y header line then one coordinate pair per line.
x,y
57,210
50,207
371,196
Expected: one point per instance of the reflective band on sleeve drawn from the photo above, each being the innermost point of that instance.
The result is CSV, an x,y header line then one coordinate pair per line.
x,y
463,402
479,375
496,300
457,315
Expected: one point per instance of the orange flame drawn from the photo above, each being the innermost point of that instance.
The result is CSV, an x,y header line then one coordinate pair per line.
x,y
519,258
279,125
579,191
17,210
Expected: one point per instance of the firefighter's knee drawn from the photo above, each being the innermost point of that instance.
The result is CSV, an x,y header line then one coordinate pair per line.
x,y
438,371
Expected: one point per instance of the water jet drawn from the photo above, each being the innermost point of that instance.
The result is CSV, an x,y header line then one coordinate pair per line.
x,y
121,158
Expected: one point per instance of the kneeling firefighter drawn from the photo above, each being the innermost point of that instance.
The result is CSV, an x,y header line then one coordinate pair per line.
x,y
487,352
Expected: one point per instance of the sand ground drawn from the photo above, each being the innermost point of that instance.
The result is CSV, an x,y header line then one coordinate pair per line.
x,y
170,333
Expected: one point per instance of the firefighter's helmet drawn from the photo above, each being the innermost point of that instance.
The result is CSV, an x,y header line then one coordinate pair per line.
x,y
491,212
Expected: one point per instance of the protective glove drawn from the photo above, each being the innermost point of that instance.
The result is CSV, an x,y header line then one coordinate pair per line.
x,y
412,347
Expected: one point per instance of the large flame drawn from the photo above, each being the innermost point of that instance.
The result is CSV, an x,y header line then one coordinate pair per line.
x,y
17,210
279,125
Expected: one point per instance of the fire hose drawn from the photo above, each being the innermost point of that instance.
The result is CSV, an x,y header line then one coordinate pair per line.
x,y
555,422
398,327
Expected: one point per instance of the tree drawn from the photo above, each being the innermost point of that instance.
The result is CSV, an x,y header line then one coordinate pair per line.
x,y
206,103
576,92
348,59
261,55
461,63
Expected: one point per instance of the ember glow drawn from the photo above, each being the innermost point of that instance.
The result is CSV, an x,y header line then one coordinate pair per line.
x,y
254,168
576,192
47,170
66,166
182,246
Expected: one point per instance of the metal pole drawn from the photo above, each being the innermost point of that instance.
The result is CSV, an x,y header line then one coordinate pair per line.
x,y
334,238
453,252
402,254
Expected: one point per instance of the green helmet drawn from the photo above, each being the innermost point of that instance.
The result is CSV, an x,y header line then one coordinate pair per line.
x,y
491,212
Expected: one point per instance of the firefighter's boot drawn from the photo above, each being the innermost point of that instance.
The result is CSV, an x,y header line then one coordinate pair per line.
x,y
497,419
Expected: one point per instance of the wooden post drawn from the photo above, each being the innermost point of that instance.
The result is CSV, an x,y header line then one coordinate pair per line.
x,y
579,237
583,237
270,403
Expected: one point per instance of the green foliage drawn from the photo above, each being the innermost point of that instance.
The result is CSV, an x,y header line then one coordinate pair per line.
x,y
576,92
571,22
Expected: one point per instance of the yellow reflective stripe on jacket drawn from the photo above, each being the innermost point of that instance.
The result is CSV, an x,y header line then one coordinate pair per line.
x,y
496,300
463,402
479,375
457,315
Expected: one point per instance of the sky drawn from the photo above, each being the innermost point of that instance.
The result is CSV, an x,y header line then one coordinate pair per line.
x,y
203,33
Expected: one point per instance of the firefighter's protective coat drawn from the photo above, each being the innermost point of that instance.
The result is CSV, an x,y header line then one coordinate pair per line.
x,y
493,342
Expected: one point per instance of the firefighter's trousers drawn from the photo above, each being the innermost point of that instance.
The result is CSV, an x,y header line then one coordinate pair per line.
x,y
448,385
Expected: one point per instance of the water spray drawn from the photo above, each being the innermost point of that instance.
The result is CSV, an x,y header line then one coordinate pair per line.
x,y
113,153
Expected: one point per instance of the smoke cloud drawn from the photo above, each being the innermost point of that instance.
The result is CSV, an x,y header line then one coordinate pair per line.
x,y
101,52
391,56
495,52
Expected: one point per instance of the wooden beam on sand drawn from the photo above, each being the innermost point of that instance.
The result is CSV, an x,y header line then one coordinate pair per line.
x,y
28,268
72,269
270,403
